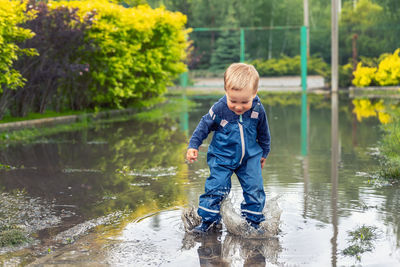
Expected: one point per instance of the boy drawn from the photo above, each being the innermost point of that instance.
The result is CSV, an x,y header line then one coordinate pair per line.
x,y
240,144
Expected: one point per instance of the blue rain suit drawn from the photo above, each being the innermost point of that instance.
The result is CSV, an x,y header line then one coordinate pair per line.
x,y
237,146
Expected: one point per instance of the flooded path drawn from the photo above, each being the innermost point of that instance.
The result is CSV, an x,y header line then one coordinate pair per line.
x,y
121,187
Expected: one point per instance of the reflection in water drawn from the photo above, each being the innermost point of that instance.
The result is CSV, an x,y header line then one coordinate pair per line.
x,y
305,126
220,249
334,172
184,116
252,252
210,250
353,125
85,175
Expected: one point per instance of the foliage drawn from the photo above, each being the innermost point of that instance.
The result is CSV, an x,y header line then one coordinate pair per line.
x,y
361,241
46,114
227,49
386,73
137,50
388,113
247,13
389,70
390,144
129,3
6,167
12,237
11,17
390,170
53,77
92,54
376,23
345,75
364,76
290,66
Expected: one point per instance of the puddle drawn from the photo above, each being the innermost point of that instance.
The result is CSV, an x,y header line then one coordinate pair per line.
x,y
137,166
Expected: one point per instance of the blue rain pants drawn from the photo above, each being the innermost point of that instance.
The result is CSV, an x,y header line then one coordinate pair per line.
x,y
234,149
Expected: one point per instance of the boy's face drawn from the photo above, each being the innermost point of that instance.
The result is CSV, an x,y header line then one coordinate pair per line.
x,y
240,101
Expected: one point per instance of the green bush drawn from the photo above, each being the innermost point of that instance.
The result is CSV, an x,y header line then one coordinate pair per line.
x,y
12,237
11,16
290,66
55,78
137,51
345,75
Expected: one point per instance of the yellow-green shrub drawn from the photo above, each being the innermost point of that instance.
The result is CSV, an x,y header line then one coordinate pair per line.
x,y
363,76
11,16
136,51
389,70
387,73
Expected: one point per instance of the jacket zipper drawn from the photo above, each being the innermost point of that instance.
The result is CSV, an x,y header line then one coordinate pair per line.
x,y
241,139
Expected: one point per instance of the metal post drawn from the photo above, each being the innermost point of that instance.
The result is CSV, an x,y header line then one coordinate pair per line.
x,y
242,52
307,24
184,79
335,46
303,54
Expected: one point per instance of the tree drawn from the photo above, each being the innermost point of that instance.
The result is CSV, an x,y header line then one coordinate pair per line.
x,y
363,20
228,44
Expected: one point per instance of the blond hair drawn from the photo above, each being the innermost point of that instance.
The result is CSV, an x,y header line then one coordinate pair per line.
x,y
239,76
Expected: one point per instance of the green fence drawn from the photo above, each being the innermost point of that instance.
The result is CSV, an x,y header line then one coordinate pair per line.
x,y
213,49
212,46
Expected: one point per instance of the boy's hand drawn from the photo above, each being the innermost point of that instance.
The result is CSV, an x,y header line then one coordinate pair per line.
x,y
191,154
263,160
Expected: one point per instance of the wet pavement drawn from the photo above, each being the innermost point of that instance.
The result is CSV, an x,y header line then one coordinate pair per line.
x,y
113,194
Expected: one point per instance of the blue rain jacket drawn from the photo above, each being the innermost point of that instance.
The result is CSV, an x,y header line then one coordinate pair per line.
x,y
237,146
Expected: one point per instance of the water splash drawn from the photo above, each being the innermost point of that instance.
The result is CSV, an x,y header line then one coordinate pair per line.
x,y
236,224
190,218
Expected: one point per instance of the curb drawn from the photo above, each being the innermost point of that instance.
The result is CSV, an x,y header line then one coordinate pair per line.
x,y
375,92
62,119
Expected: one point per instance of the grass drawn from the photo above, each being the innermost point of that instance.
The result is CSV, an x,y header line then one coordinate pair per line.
x,y
390,147
361,241
12,237
30,134
6,167
390,172
34,116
